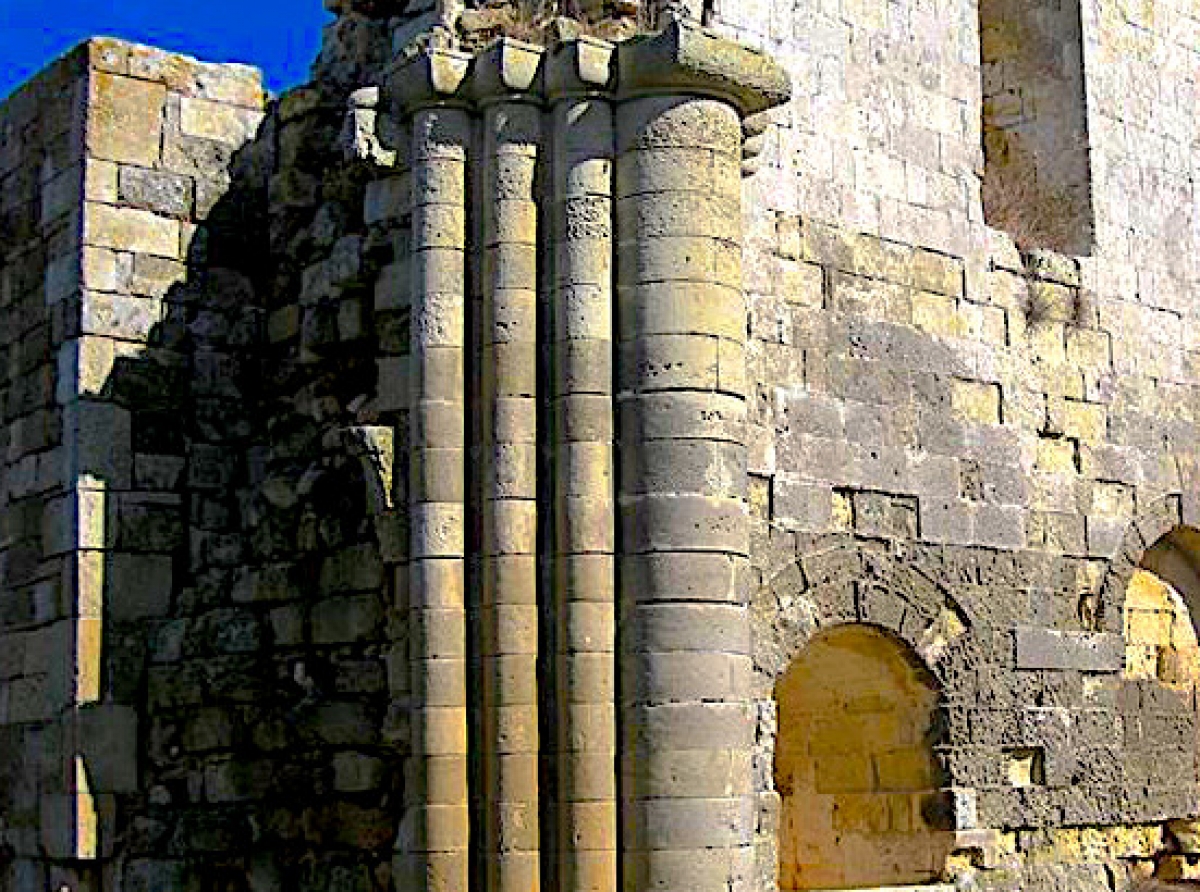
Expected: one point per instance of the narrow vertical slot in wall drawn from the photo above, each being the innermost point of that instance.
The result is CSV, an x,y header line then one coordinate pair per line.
x,y
1037,174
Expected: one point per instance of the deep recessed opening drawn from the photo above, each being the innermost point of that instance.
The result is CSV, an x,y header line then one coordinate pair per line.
x,y
1037,175
854,765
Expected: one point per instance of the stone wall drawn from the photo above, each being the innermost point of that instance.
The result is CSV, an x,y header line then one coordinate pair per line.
x,y
250,630
41,176
1015,429
340,426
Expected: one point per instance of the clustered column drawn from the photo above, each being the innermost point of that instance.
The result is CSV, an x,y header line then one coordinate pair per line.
x,y
640,190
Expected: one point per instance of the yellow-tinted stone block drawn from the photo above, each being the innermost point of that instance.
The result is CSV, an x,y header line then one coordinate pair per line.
x,y
125,121
976,401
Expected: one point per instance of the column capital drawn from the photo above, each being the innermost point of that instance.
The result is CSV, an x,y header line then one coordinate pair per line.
x,y
431,77
507,70
579,68
685,58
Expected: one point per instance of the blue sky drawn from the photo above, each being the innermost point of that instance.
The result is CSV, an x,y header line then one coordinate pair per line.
x,y
279,36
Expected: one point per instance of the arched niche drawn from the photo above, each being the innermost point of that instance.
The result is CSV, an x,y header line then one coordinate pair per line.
x,y
1161,598
854,765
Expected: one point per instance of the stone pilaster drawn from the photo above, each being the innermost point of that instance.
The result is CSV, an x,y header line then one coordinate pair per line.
x,y
434,837
584,577
511,119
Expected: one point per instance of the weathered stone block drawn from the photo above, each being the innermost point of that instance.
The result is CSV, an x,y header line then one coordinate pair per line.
x,y
347,620
130,229
163,193
1082,651
125,120
217,121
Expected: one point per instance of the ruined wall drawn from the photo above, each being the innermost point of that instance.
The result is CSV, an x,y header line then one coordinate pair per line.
x,y
250,634
209,486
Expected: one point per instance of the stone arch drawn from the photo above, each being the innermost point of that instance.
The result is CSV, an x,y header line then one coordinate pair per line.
x,y
1104,610
849,584
841,583
854,764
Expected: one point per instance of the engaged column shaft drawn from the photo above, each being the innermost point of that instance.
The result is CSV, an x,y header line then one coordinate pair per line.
x,y
508,559
437,814
687,811
584,504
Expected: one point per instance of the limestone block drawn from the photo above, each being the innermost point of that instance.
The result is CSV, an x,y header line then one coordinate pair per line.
x,y
108,736
443,731
437,634
130,229
678,258
437,321
698,869
145,875
125,119
661,214
238,780
102,432
104,270
669,362
149,522
100,180
1086,651
976,401
712,468
117,316
61,281
163,193
60,196
355,772
686,308
510,527
352,570
441,682
139,586
1086,422
681,415
347,620
220,122
716,822
687,677
437,475
156,277
387,199
685,523
435,374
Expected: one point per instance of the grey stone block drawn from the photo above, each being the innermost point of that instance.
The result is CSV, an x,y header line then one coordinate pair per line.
x,y
1082,651
153,190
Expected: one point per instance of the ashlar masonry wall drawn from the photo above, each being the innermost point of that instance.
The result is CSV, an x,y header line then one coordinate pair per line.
x,y
42,133
935,412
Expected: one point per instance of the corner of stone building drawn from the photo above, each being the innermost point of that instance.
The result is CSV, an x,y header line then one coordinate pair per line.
x,y
114,159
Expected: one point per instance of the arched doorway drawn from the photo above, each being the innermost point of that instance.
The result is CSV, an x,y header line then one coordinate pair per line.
x,y
854,766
